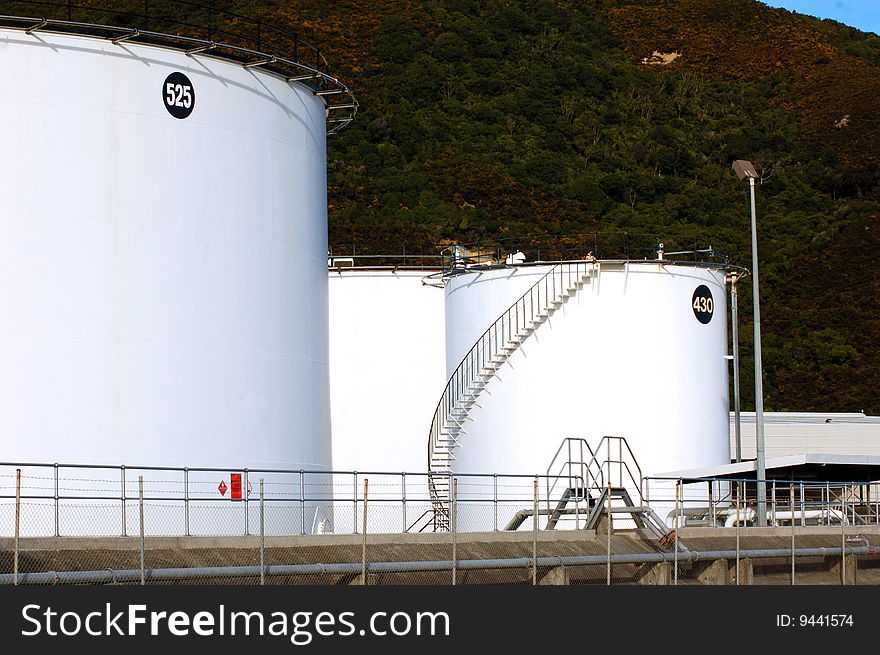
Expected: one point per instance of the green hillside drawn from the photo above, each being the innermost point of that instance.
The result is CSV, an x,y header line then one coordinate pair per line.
x,y
553,124
520,120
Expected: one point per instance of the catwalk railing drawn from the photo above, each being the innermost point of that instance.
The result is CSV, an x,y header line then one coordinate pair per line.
x,y
197,30
455,257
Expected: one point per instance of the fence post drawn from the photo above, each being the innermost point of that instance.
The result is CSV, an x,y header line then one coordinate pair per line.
x,y
403,493
17,525
495,498
454,531
791,487
122,478
246,491
773,504
712,502
608,538
677,528
364,548
355,503
843,550
141,506
803,516
302,501
262,538
186,500
57,522
738,492
535,535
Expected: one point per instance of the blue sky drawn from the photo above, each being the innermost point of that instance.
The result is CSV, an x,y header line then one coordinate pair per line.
x,y
862,14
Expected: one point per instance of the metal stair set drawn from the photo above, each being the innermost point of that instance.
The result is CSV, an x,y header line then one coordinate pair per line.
x,y
483,361
598,483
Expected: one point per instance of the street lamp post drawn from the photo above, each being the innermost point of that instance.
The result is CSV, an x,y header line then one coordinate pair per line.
x,y
745,169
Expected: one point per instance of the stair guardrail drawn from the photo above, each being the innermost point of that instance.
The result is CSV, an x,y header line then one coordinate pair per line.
x,y
623,465
574,466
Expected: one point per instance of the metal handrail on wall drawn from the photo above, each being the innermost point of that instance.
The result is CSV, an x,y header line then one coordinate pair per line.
x,y
199,30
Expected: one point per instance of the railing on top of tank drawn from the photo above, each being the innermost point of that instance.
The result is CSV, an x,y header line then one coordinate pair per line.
x,y
451,257
610,245
195,29
387,255
733,502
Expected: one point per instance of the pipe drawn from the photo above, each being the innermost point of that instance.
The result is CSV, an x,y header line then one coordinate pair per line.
x,y
734,319
344,568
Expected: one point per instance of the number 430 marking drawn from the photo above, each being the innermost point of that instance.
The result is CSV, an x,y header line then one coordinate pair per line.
x,y
178,95
704,305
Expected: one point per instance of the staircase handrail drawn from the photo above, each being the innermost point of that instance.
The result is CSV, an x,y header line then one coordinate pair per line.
x,y
583,473
637,481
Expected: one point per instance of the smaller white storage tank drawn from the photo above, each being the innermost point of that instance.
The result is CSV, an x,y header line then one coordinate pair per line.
x,y
637,351
386,364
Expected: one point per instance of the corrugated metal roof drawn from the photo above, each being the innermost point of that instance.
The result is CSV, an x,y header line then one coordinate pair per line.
x,y
782,467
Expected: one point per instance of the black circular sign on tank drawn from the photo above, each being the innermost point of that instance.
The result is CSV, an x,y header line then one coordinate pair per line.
x,y
703,304
178,95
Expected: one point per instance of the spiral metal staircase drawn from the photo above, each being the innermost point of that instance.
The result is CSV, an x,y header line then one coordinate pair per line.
x,y
481,364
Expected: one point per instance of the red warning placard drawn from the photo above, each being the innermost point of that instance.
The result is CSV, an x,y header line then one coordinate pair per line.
x,y
235,486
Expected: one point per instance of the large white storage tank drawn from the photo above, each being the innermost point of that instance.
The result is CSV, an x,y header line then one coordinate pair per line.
x,y
629,354
163,241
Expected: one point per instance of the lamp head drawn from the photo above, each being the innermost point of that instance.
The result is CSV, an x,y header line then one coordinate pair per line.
x,y
744,169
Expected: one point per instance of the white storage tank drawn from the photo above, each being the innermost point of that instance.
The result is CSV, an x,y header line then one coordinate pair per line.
x,y
637,350
163,260
386,364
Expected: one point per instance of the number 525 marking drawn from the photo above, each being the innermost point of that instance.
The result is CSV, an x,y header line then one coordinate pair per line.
x,y
178,95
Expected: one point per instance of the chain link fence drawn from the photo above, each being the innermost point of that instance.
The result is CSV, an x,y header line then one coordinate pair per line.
x,y
126,525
